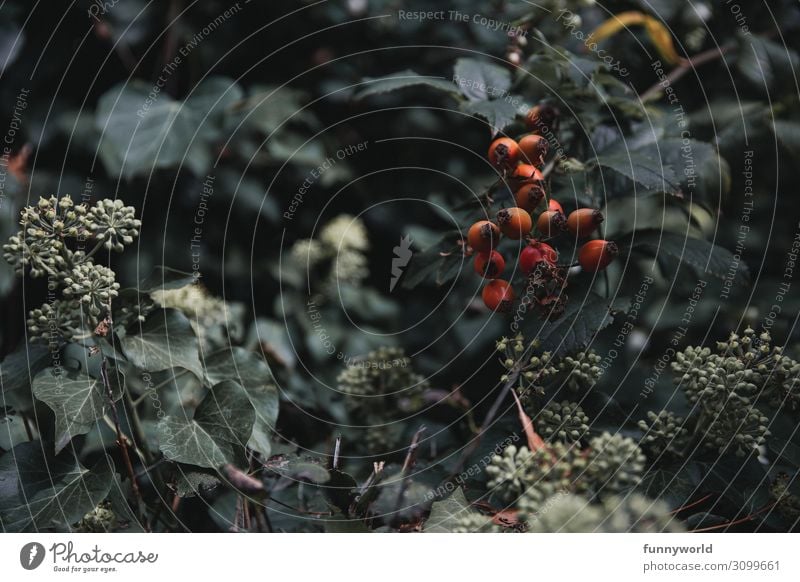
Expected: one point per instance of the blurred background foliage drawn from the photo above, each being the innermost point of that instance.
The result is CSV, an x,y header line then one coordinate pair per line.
x,y
256,102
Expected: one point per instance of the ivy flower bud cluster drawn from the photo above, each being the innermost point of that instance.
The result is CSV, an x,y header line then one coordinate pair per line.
x,y
733,385
564,421
540,370
41,248
383,380
610,465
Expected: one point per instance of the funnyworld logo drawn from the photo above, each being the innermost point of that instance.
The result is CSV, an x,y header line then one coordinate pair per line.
x,y
31,555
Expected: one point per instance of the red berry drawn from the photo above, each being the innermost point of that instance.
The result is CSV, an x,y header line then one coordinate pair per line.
x,y
483,236
528,196
554,205
534,149
584,221
504,153
489,265
551,222
514,222
498,295
535,253
525,174
597,254
541,117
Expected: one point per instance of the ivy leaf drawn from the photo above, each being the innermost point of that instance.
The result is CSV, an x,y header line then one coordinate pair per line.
x,y
479,80
166,341
19,367
445,513
163,278
218,433
296,468
209,101
253,374
402,80
499,113
141,133
39,491
77,400
268,108
701,255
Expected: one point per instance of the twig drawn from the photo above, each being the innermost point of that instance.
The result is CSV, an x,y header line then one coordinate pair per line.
x,y
408,464
746,518
686,66
123,444
411,456
690,505
27,426
337,446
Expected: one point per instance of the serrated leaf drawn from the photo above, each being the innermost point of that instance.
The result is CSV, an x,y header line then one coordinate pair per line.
x,y
191,481
764,62
788,134
576,328
649,172
479,80
499,113
446,513
403,80
216,435
39,491
252,373
449,269
700,254
166,340
77,400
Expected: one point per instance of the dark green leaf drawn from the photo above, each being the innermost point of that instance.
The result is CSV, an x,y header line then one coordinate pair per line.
x,y
445,513
217,434
703,520
764,62
402,80
701,255
576,328
252,373
649,172
166,340
77,400
479,80
163,278
41,492
788,133
20,366
499,113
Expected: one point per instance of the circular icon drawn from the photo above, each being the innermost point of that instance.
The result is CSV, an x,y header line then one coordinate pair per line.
x,y
31,555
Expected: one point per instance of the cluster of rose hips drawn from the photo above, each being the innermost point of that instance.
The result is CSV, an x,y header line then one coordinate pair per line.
x,y
520,163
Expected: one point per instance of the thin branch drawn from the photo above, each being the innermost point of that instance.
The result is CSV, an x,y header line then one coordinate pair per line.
x,y
123,444
408,464
336,448
686,66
